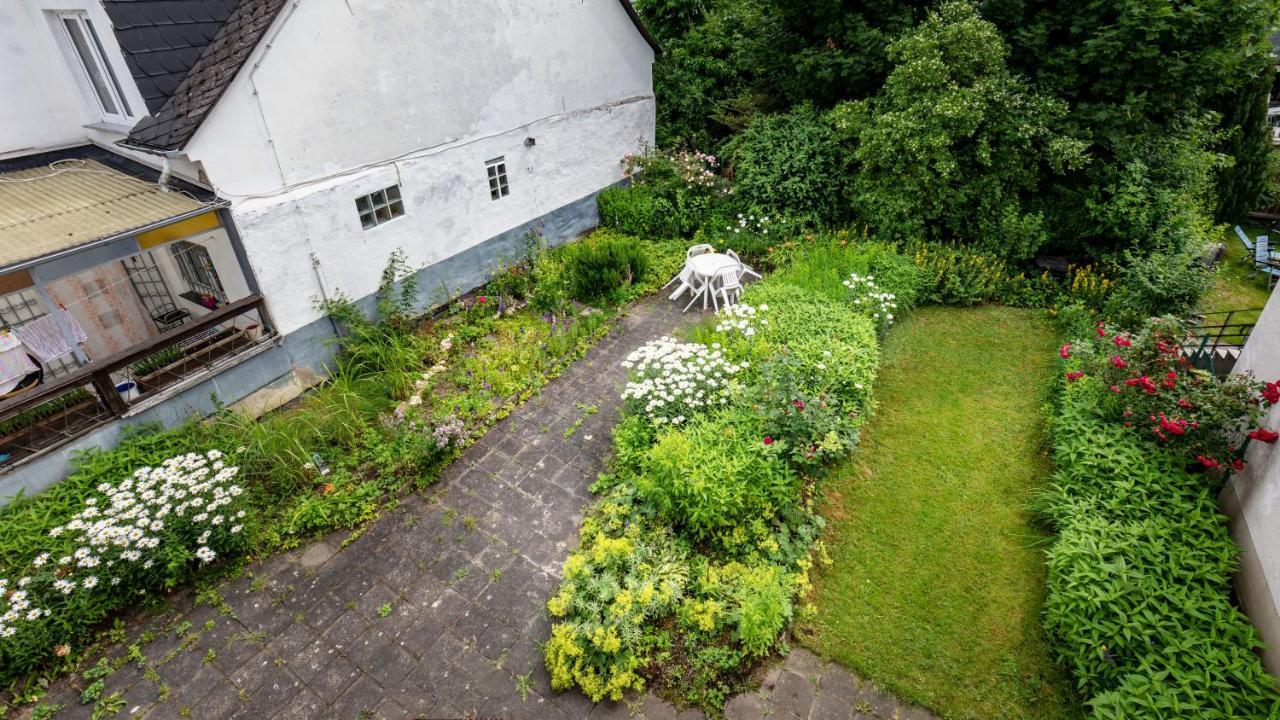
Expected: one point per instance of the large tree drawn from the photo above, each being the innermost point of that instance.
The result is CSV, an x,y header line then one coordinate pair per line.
x,y
954,143
1148,82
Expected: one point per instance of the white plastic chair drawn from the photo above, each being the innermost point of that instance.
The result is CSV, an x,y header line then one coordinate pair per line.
x,y
699,250
699,287
685,278
743,268
730,285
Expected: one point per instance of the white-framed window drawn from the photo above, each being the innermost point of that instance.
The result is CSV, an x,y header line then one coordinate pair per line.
x,y
93,65
497,170
379,207
197,269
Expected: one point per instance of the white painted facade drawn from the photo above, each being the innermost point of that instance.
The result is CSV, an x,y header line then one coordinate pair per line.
x,y
1252,498
345,97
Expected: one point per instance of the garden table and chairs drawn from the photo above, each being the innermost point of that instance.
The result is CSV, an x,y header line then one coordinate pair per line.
x,y
710,275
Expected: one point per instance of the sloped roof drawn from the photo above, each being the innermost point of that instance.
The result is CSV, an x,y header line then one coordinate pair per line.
x,y
163,45
209,76
75,201
162,39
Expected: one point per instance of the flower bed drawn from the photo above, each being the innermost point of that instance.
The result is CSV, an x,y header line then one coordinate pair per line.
x,y
693,563
406,397
1140,573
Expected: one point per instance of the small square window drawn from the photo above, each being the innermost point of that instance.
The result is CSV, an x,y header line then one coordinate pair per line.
x,y
497,171
379,207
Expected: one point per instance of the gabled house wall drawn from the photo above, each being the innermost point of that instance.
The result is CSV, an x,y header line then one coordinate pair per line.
x,y
344,98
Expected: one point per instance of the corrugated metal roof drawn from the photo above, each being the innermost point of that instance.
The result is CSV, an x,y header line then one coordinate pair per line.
x,y
47,209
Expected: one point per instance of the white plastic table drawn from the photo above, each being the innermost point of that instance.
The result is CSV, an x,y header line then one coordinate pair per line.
x,y
707,266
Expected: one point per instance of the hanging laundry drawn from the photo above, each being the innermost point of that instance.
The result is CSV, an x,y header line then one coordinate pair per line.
x,y
71,325
14,363
44,338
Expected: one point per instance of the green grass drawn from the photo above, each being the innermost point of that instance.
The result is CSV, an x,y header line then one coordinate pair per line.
x,y
1236,286
937,580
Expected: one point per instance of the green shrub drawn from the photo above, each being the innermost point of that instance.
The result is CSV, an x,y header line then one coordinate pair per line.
x,y
790,164
763,600
956,275
717,474
1139,579
602,266
1161,282
612,587
822,265
638,210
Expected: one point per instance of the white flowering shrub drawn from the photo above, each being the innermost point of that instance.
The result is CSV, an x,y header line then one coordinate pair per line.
x,y
148,532
869,299
741,319
672,381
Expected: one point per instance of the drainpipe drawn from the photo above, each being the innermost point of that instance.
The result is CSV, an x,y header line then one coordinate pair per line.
x,y
166,170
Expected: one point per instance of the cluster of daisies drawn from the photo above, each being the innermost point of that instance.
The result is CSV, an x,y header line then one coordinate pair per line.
x,y
673,380
189,499
868,298
740,319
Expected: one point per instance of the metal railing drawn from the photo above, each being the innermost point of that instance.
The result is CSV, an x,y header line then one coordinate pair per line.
x,y
1228,329
67,407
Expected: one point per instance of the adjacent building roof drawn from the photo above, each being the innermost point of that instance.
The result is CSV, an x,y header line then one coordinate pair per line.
x,y
160,50
162,39
74,201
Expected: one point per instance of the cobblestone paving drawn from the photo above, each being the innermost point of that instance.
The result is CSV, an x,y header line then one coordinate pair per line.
x,y
435,610
804,686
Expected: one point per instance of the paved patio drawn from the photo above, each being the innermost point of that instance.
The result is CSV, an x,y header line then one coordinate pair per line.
x,y
436,609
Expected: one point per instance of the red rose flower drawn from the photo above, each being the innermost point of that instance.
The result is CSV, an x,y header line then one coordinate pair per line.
x,y
1118,361
482,300
1075,375
1064,351
1237,465
1173,426
798,403
1208,462
1184,403
768,440
1115,388
1272,392
1265,435
1122,341
1102,331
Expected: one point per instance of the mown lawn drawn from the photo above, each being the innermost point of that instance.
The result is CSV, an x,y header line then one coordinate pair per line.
x,y
937,579
1236,286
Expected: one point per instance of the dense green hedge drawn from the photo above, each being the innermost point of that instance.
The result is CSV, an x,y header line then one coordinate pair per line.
x,y
1139,604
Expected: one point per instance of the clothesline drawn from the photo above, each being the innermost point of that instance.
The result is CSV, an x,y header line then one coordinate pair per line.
x,y
127,278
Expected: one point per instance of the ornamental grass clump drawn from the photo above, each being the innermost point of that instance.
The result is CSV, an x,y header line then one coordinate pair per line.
x,y
145,533
672,381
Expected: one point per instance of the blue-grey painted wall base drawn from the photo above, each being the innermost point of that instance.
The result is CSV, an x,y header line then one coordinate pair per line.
x,y
310,347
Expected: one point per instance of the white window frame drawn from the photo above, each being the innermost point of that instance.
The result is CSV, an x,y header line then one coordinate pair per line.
x,y
380,206
106,70
496,173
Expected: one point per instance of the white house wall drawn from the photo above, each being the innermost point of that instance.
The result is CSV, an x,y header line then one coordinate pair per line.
x,y
1252,498
345,97
448,208
42,107
340,84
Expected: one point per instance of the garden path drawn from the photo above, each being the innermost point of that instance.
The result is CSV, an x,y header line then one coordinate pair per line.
x,y
436,609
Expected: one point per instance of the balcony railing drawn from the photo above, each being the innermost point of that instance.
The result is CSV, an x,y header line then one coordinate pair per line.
x,y
67,407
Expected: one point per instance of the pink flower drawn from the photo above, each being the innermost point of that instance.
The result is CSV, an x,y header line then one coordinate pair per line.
x,y
1075,375
768,440
1123,341
1064,351
1118,361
